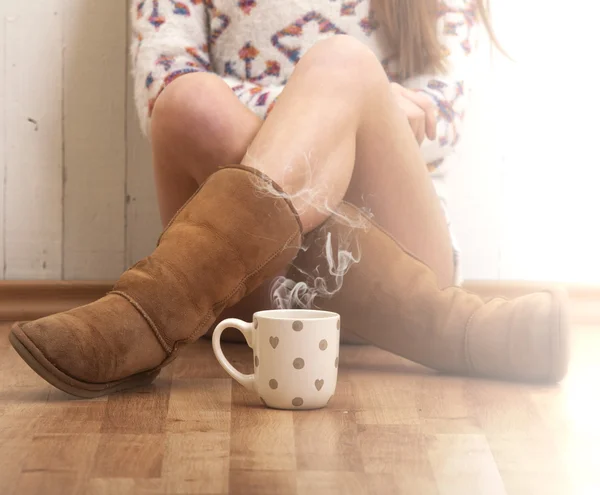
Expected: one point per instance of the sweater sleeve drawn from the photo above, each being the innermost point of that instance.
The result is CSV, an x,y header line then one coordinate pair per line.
x,y
171,38
457,25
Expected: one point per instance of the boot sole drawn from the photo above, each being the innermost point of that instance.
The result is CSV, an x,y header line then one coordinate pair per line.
x,y
46,370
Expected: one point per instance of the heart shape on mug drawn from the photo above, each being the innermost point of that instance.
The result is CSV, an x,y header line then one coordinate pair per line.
x,y
274,341
319,384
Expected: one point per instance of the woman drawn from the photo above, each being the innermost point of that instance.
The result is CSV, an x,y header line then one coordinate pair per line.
x,y
339,138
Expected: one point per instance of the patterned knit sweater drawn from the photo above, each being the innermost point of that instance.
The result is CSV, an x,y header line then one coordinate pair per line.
x,y
254,45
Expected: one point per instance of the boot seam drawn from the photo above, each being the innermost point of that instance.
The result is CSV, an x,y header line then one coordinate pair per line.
x,y
146,317
195,334
179,276
241,284
174,217
166,342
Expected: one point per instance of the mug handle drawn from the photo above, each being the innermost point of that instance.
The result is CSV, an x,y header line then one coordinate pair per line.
x,y
248,333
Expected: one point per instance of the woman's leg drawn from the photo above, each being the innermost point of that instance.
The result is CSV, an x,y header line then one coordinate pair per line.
x,y
337,130
198,125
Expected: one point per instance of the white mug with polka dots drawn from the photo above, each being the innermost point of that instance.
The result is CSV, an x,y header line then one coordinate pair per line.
x,y
296,355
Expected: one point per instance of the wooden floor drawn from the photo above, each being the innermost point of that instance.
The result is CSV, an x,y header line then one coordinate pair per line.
x,y
392,428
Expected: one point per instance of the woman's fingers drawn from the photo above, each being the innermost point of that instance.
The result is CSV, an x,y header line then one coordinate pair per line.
x,y
427,105
430,114
419,125
415,114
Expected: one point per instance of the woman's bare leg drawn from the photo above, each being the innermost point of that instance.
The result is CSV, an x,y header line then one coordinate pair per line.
x,y
337,117
198,125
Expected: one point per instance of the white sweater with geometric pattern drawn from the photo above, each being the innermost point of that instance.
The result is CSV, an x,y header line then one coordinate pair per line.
x,y
254,45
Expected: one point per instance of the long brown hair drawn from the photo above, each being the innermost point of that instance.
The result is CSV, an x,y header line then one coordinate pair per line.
x,y
411,26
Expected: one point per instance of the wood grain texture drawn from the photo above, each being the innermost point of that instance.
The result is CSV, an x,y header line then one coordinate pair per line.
x,y
34,159
94,136
392,428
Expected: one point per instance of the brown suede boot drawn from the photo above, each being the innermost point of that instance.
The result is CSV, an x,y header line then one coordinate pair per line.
x,y
392,299
220,246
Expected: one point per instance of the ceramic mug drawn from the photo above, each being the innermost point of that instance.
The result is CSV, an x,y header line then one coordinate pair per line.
x,y
296,356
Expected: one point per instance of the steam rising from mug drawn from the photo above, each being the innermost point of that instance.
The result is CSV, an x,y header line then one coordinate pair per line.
x,y
339,254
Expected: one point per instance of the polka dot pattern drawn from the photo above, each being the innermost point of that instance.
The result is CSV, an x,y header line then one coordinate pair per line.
x,y
300,385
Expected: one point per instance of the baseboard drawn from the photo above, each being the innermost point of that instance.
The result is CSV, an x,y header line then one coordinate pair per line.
x,y
28,300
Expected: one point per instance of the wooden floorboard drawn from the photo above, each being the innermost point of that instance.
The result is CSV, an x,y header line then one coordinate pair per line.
x,y
392,428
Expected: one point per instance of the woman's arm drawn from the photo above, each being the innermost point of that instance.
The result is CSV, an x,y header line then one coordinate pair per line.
x,y
171,39
456,28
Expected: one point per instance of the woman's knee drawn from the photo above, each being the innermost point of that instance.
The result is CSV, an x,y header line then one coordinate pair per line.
x,y
344,57
199,114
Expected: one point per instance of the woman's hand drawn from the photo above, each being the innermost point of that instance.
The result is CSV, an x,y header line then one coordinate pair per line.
x,y
419,109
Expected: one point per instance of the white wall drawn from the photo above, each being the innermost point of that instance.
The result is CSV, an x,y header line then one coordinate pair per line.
x,y
524,192
76,193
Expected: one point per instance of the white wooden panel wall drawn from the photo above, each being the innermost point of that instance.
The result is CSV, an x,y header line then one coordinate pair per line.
x,y
33,74
3,114
143,224
473,178
524,195
76,194
95,40
143,220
